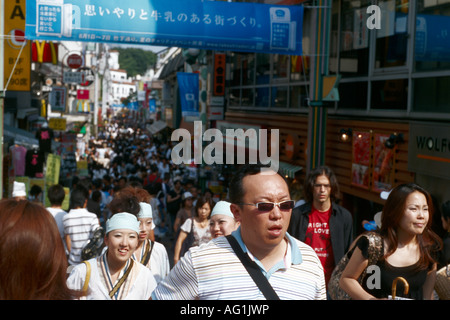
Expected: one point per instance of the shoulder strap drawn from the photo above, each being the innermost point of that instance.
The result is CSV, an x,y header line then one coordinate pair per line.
x,y
254,271
122,280
88,277
148,252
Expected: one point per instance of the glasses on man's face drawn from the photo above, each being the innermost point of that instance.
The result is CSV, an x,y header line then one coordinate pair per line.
x,y
268,206
320,186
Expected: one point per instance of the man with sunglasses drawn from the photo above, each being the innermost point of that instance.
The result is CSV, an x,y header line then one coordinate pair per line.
x,y
321,223
260,201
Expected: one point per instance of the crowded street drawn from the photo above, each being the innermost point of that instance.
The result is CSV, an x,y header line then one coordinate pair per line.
x,y
227,151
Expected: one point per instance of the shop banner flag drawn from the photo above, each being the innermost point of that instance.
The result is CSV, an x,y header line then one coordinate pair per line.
x,y
213,25
189,87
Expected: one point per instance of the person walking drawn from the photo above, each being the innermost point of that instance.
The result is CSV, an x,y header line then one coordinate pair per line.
x,y
79,224
408,246
195,230
222,221
213,271
321,223
56,196
115,275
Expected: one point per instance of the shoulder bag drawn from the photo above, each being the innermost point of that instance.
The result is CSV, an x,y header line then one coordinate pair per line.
x,y
254,271
375,251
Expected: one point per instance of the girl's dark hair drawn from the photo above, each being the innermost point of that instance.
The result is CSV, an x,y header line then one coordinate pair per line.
x,y
201,201
393,211
311,180
126,200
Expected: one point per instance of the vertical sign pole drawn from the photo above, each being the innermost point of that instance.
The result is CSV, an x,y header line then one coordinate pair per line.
x,y
317,119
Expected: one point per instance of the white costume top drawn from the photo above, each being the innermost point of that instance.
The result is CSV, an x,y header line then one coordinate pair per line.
x,y
139,284
159,260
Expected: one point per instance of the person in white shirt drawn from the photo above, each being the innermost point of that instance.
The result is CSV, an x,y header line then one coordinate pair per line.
x,y
56,196
115,275
152,254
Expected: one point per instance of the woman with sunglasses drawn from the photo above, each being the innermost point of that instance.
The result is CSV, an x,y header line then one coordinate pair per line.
x,y
115,275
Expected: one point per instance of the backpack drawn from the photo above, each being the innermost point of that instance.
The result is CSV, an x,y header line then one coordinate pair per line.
x,y
375,251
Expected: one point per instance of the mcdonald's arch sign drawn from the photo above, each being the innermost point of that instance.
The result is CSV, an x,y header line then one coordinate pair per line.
x,y
44,51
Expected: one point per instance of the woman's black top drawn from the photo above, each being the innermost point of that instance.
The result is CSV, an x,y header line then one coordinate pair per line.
x,y
379,282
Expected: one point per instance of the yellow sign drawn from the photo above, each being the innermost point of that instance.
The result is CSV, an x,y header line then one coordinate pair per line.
x,y
53,167
57,124
15,44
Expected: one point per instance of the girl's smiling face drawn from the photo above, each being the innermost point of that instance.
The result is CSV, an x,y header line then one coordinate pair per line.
x,y
121,244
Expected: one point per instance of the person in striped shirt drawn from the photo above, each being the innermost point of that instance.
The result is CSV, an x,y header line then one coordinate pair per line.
x,y
261,203
79,224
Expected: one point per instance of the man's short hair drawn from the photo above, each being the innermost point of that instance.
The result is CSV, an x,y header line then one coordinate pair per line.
x,y
236,189
56,194
78,197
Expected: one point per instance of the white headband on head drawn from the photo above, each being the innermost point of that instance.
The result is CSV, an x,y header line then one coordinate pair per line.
x,y
146,210
222,207
122,220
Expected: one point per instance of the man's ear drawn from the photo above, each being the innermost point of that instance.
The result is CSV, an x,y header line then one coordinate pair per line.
x,y
236,210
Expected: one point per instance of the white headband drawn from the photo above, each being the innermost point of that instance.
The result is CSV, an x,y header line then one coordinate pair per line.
x,y
122,220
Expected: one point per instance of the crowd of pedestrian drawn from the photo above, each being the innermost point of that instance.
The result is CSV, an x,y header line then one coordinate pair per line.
x,y
154,233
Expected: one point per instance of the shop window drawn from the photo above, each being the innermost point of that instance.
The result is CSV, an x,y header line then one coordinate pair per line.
x,y
298,97
392,37
354,39
262,68
389,94
353,95
432,35
248,69
432,94
262,97
279,97
247,97
280,67
234,97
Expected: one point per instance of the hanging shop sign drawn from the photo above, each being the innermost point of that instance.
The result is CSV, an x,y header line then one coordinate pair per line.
x,y
214,25
88,76
17,55
75,61
44,52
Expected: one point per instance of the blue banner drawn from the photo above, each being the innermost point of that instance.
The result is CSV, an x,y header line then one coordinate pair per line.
x,y
152,106
214,25
188,84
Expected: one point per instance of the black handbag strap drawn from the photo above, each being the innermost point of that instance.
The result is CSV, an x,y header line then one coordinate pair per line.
x,y
254,270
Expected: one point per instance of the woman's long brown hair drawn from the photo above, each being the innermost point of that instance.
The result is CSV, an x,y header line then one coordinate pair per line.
x,y
33,262
429,242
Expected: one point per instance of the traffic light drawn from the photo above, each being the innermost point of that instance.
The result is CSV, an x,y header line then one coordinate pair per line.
x,y
219,74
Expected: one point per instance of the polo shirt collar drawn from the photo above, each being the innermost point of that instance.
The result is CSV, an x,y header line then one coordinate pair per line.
x,y
295,253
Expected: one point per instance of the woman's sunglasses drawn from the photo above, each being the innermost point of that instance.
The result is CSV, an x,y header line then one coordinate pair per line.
x,y
268,206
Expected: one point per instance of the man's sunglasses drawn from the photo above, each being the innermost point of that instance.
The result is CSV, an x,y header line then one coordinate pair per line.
x,y
268,206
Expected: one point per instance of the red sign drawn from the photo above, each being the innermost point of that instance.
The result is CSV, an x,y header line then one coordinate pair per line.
x,y
74,61
82,94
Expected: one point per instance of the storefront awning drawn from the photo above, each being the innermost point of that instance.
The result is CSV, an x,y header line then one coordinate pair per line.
x,y
19,136
22,113
156,126
288,169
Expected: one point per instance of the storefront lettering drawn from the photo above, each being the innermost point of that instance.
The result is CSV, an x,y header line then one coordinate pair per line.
x,y
433,143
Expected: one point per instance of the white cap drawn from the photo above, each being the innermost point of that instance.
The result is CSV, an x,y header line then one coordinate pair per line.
x,y
19,189
222,207
385,194
187,194
146,210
